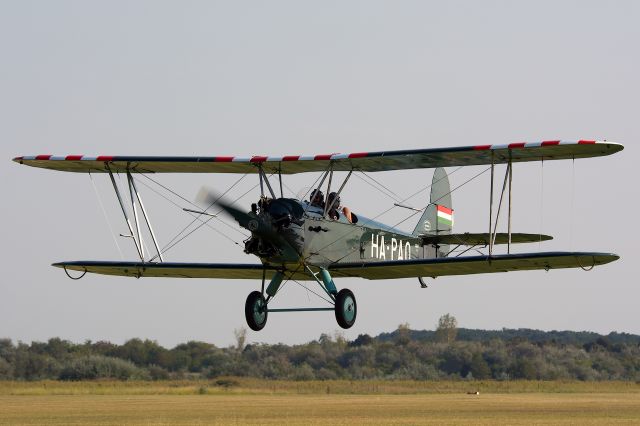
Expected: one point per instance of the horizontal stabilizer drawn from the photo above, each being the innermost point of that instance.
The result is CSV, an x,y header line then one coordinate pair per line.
x,y
482,239
470,265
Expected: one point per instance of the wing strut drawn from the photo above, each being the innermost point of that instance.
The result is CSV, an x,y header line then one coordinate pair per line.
x,y
135,196
493,226
124,212
509,214
132,184
263,177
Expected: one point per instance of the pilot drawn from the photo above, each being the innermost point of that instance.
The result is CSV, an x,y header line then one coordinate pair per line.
x,y
317,198
351,217
334,209
333,201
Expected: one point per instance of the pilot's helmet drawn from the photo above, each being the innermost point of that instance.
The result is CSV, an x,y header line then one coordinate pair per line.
x,y
333,200
317,197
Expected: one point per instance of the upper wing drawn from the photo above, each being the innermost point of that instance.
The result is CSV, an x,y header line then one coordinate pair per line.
x,y
174,269
470,265
365,161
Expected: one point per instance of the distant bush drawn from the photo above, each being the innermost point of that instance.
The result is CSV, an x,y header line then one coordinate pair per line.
x,y
6,370
102,367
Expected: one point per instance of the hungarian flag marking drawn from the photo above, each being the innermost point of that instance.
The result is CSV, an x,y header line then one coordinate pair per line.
x,y
445,215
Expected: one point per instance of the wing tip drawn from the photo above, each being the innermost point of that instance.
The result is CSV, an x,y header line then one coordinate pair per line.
x,y
613,146
598,258
606,147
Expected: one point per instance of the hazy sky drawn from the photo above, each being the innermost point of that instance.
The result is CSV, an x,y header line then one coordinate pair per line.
x,y
232,78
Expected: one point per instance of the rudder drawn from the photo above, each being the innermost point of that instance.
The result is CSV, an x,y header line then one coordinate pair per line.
x,y
437,218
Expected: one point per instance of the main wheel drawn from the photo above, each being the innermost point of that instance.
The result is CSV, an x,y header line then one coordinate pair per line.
x,y
346,308
255,311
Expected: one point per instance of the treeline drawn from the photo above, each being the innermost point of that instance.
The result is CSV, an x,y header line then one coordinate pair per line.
x,y
403,354
530,335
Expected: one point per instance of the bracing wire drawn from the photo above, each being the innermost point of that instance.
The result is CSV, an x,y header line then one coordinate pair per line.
x,y
223,222
311,291
176,239
197,216
444,195
380,188
346,234
288,189
313,186
173,244
290,278
106,217
195,205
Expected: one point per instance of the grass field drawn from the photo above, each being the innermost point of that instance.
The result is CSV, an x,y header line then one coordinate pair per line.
x,y
263,402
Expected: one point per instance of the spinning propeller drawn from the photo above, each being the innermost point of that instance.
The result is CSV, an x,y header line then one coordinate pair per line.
x,y
265,227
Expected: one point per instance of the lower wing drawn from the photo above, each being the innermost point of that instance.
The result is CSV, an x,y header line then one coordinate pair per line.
x,y
470,265
169,269
372,270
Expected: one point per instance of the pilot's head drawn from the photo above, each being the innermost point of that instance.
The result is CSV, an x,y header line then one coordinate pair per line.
x,y
317,197
333,200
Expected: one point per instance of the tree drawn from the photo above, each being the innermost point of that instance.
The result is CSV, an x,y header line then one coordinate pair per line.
x,y
241,338
479,367
362,340
403,334
447,329
524,369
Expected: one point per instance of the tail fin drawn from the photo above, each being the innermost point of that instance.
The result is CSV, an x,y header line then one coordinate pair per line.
x,y
437,218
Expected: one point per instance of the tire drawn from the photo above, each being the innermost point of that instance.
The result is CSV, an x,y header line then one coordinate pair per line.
x,y
346,308
255,311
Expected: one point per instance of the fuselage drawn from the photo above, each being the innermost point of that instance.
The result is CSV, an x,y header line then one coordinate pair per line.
x,y
321,241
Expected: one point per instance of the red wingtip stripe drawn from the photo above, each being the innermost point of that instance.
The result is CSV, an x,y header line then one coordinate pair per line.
x,y
18,159
549,143
73,157
358,154
291,158
583,142
481,147
223,159
516,145
323,157
43,157
258,159
104,158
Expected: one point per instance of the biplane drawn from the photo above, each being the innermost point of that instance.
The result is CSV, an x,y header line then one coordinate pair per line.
x,y
316,239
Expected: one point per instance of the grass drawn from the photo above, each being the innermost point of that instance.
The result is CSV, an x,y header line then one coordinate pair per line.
x,y
250,401
248,386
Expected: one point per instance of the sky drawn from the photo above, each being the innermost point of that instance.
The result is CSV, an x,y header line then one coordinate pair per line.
x,y
291,77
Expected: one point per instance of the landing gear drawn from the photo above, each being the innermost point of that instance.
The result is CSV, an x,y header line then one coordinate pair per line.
x,y
255,311
346,308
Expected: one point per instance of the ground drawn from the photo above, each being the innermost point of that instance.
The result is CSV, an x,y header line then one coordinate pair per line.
x,y
319,403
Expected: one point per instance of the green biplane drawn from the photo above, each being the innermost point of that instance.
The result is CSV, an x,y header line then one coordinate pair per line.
x,y
317,240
